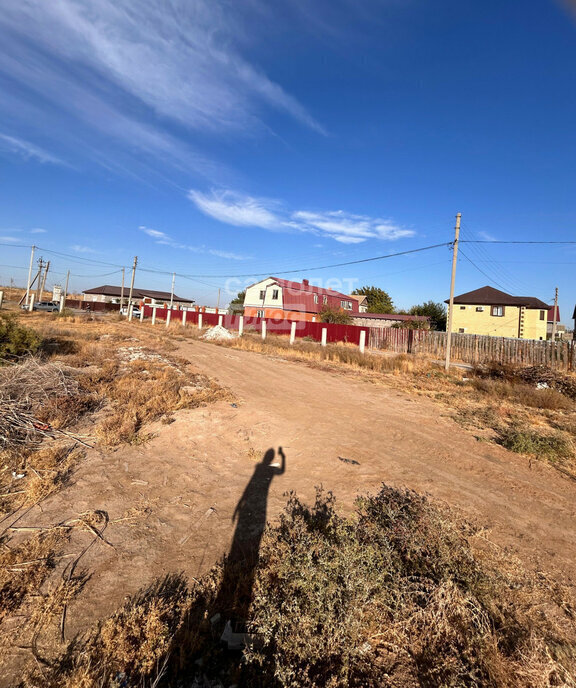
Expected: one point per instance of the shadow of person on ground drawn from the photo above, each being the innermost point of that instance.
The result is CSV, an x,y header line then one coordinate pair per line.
x,y
235,592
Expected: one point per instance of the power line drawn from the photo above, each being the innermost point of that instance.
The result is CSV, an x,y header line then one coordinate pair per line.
x,y
498,241
326,267
482,271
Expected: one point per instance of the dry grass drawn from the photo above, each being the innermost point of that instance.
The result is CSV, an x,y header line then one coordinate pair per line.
x,y
403,594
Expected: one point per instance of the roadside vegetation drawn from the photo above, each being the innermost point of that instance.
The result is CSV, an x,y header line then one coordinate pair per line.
x,y
401,594
68,386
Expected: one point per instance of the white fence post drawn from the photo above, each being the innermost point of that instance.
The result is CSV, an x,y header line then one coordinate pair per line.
x,y
153,315
220,320
142,313
263,329
324,335
1,298
362,340
241,326
168,316
31,304
199,321
292,332
184,318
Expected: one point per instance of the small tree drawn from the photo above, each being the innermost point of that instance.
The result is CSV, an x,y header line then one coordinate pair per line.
x,y
436,311
336,316
378,300
236,306
412,325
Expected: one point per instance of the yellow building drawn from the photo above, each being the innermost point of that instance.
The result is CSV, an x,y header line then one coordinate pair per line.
x,y
492,312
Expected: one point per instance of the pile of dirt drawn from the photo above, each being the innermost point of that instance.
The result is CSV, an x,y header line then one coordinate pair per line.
x,y
218,332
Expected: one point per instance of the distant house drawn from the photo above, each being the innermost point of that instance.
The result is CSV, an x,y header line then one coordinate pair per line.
x,y
389,320
282,299
362,302
492,312
560,329
110,294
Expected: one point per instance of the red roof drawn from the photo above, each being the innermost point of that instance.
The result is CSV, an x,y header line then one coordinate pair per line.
x,y
305,297
391,316
551,314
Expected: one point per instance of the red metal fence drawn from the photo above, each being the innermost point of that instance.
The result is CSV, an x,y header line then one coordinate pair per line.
x,y
465,347
334,333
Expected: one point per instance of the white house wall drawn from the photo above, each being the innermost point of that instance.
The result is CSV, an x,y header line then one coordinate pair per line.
x,y
253,299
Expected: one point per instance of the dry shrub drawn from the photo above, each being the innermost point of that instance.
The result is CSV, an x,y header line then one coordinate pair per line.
x,y
524,394
25,567
16,340
403,594
312,352
533,375
147,391
24,389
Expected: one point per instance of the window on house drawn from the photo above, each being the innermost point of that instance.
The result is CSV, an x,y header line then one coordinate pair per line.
x,y
462,308
542,315
315,298
262,294
462,330
259,314
347,305
324,300
275,294
497,311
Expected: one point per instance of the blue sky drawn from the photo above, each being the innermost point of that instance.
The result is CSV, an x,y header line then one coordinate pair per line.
x,y
218,138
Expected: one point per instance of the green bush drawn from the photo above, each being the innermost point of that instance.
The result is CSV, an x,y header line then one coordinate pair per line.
x,y
554,447
15,340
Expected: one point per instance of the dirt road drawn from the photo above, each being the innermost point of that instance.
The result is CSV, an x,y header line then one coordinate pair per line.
x,y
171,501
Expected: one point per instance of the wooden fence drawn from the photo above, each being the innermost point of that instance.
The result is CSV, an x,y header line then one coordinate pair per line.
x,y
473,348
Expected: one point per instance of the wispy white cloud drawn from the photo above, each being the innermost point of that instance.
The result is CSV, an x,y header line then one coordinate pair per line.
x,y
27,150
165,240
236,209
38,230
247,211
486,236
131,69
78,248
10,239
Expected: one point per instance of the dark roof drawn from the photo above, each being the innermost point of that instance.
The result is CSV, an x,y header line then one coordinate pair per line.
x,y
574,314
551,314
389,316
108,290
488,296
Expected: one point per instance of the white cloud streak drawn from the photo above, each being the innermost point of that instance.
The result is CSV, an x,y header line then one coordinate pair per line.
x,y
247,211
165,240
132,69
27,150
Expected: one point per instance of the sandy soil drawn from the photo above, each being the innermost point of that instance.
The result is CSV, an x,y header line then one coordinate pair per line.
x,y
191,476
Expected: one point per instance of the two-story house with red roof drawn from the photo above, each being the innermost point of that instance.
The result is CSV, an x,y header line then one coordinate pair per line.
x,y
281,299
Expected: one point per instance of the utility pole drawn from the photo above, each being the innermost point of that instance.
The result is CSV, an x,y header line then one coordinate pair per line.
x,y
39,285
452,280
28,285
218,302
44,280
122,291
172,292
66,286
132,288
555,315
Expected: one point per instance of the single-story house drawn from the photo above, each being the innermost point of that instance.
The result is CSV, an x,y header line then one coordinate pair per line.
x,y
560,329
388,319
281,299
151,297
489,311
